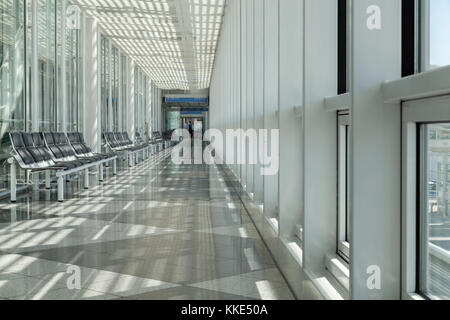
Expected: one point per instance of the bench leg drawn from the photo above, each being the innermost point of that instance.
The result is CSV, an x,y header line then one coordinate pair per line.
x,y
47,180
13,183
60,188
115,167
100,172
129,156
86,178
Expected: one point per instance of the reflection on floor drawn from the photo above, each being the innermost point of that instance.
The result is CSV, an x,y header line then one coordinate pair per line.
x,y
156,231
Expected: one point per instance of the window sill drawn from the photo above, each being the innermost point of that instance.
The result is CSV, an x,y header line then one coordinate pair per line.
x,y
328,287
422,85
339,269
413,296
338,103
295,250
273,223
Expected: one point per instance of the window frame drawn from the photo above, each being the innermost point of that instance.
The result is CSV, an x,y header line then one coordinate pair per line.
x,y
343,155
410,37
343,46
415,43
415,113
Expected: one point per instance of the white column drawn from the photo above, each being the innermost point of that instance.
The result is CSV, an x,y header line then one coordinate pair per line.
x,y
110,98
119,94
375,192
92,80
244,92
319,135
63,78
84,79
259,89
271,66
131,100
290,100
250,110
34,68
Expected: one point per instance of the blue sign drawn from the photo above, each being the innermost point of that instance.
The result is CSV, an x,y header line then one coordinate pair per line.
x,y
190,113
186,100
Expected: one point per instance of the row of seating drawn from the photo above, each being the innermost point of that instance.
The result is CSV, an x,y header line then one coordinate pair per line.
x,y
47,152
160,141
119,142
65,154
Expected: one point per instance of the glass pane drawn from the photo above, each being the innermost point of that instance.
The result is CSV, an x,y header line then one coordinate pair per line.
x,y
74,77
12,83
105,83
437,35
435,224
115,88
47,59
124,93
343,185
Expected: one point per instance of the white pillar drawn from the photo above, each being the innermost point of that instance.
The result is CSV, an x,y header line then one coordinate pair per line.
x,y
131,99
34,68
119,94
92,79
63,78
271,96
320,134
375,188
84,79
110,98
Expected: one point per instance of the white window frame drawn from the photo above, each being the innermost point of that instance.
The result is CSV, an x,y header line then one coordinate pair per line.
x,y
343,212
424,29
415,113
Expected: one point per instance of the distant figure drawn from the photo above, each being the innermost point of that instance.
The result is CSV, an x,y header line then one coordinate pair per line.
x,y
191,129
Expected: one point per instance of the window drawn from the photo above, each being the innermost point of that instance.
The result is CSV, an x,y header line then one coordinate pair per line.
x,y
425,194
343,216
124,102
435,35
115,88
139,108
47,64
434,211
344,23
12,76
74,79
105,81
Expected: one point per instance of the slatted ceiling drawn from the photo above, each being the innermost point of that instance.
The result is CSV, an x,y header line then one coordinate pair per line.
x,y
173,41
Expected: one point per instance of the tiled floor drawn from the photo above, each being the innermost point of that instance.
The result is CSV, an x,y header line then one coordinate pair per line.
x,y
156,231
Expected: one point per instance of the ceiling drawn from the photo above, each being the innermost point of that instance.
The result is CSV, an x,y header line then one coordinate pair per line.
x,y
173,41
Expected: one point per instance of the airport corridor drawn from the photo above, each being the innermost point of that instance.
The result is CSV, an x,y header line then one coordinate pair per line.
x,y
154,231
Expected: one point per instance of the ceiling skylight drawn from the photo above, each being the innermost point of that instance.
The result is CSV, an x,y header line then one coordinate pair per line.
x,y
173,41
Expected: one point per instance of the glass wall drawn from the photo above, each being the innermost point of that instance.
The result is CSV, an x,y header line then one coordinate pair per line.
x,y
435,34
105,83
173,120
435,211
59,62
115,88
124,101
139,114
74,79
343,216
47,64
12,76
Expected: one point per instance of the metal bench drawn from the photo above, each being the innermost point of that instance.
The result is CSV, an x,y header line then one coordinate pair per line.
x,y
53,153
117,143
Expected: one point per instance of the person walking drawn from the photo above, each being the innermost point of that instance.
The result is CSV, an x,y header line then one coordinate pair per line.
x,y
191,129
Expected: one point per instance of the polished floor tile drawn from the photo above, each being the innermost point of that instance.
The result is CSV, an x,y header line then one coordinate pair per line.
x,y
155,231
